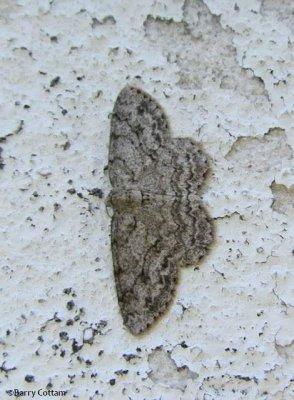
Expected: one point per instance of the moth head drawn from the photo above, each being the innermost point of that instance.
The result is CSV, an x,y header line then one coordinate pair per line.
x,y
123,199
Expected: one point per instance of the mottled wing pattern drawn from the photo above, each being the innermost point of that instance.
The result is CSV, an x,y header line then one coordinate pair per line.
x,y
158,222
138,127
144,246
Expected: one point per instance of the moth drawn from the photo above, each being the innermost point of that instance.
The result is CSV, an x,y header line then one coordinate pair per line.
x,y
158,223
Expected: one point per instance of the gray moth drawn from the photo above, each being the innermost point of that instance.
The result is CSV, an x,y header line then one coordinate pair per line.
x,y
158,222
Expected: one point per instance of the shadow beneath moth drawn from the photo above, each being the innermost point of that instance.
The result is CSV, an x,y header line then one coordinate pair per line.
x,y
158,222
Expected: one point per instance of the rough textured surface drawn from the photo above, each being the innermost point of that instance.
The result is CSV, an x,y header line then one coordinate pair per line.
x,y
170,375
223,72
158,223
283,201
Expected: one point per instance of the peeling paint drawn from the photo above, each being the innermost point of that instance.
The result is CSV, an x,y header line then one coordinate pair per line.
x,y
165,371
283,198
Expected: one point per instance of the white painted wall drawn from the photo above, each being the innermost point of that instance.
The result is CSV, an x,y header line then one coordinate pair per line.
x,y
223,71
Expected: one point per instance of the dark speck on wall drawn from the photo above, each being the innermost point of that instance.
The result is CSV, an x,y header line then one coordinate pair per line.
x,y
96,192
29,378
55,81
70,305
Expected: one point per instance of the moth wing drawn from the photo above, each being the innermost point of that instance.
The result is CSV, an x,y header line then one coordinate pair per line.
x,y
139,126
144,249
195,230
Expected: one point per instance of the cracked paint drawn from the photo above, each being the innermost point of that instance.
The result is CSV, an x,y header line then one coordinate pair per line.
x,y
165,371
223,72
283,198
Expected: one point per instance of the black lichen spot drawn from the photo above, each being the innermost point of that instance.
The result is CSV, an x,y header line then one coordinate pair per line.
x,y
71,191
121,372
56,206
29,378
66,145
109,19
55,81
56,318
246,378
1,159
95,22
101,324
98,94
96,192
112,382
129,357
75,346
54,39
70,305
63,336
5,369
